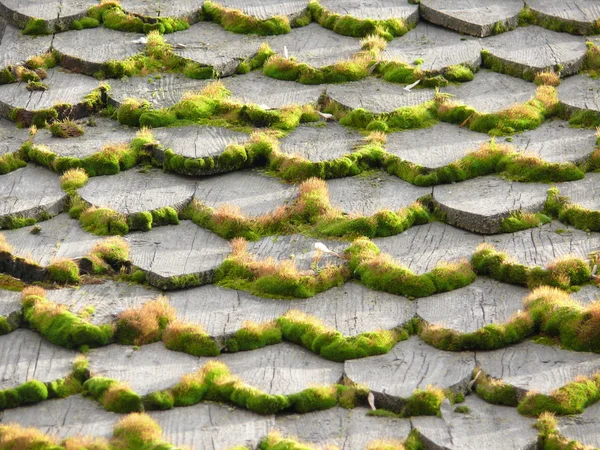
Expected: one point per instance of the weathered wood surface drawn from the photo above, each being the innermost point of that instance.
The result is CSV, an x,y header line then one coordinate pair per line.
x,y
320,143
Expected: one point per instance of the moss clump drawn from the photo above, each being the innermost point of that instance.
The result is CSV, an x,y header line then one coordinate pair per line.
x,y
253,336
112,16
520,220
112,395
145,324
189,338
72,180
36,27
380,272
59,325
561,208
238,22
64,271
103,221
10,162
459,74
34,86
108,255
356,27
495,391
27,393
66,129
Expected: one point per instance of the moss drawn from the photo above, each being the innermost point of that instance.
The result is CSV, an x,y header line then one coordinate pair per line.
x,y
103,222
561,208
159,401
72,180
519,220
357,27
60,326
145,324
120,398
381,273
130,111
191,339
238,22
10,162
274,441
253,336
585,119
495,391
64,271
36,27
34,86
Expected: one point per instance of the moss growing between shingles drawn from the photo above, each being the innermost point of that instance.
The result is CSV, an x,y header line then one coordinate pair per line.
x,y
103,221
378,271
528,16
520,220
549,437
489,337
28,393
113,395
145,324
36,27
238,22
253,336
268,278
563,272
356,27
572,398
108,255
495,391
72,180
189,338
10,162
275,441
112,16
514,119
560,207
59,325
64,271
310,332
66,129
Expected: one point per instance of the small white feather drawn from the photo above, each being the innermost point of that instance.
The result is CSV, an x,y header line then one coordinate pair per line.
x,y
412,85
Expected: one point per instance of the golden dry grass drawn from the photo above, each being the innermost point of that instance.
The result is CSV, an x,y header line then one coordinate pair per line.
x,y
5,247
140,425
148,320
548,78
16,437
33,290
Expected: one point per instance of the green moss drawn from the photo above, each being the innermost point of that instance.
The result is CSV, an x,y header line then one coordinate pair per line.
x,y
36,27
459,74
585,119
34,86
10,162
518,221
238,22
160,400
61,326
192,340
561,208
496,391
357,27
252,337
64,271
103,222
286,69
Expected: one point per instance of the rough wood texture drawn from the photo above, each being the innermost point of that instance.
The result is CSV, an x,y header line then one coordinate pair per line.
x,y
492,92
411,365
161,91
556,142
342,429
587,294
583,428
150,368
108,299
537,49
59,237
253,192
535,367
542,245
583,192
59,13
436,146
198,141
376,95
30,192
350,309
104,132
131,191
580,14
270,93
580,93
478,18
10,302
377,9
365,195
11,137
314,45
177,250
437,47
422,247
63,88
283,368
212,426
108,45
17,48
485,426
27,356
297,247
481,204
266,9
210,45
320,143
65,417
481,303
